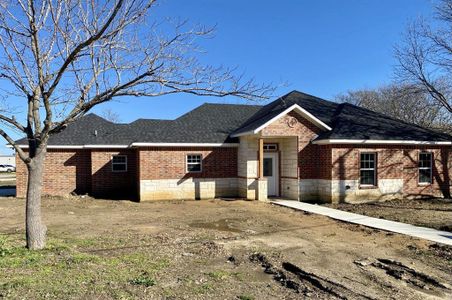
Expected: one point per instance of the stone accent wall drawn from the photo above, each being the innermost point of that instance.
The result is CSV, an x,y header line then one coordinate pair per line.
x,y
248,167
189,188
318,190
289,188
262,189
65,172
247,188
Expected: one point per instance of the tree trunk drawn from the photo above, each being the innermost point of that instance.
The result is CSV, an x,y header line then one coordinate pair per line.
x,y
35,229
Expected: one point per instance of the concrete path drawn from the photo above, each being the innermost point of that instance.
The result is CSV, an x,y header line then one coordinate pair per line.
x,y
433,235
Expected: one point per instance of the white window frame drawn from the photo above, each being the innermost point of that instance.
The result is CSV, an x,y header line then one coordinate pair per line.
x,y
191,163
116,163
425,168
368,169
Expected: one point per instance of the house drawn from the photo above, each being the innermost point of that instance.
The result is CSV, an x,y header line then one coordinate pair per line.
x,y
297,147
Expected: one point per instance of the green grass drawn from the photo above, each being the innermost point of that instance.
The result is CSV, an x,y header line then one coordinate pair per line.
x,y
74,268
221,275
143,279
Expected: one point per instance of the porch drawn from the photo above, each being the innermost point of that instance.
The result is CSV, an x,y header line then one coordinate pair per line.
x,y
268,167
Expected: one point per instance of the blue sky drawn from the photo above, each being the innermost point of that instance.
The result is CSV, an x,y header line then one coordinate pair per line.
x,y
322,47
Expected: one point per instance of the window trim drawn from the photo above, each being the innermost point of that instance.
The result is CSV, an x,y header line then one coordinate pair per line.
x,y
267,145
424,168
187,163
367,169
124,163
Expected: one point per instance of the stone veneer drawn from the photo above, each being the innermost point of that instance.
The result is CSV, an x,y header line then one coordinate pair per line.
x,y
190,188
248,167
336,191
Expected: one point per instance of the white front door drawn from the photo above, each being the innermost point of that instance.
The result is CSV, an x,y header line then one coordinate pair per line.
x,y
271,172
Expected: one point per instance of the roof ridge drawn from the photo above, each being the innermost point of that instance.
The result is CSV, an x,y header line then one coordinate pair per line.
x,y
312,96
231,104
149,119
92,114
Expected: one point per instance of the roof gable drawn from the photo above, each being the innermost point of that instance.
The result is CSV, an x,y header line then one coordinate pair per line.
x,y
265,121
316,110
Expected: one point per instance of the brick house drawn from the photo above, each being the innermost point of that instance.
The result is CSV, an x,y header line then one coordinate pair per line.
x,y
297,147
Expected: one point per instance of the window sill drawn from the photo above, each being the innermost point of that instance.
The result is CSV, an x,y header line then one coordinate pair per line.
x,y
424,183
368,187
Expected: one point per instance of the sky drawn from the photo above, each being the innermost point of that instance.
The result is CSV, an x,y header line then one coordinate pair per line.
x,y
322,47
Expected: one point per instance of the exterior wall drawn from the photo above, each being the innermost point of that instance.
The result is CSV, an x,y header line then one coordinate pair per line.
x,y
163,175
248,167
65,172
441,171
397,173
109,184
303,163
190,188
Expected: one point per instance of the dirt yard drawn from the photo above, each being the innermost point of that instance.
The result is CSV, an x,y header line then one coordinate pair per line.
x,y
433,213
211,250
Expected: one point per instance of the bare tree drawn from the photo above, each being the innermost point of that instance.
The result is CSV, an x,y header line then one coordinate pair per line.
x,y
110,115
404,102
425,56
60,58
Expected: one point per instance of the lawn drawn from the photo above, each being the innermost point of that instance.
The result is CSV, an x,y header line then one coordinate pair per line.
x,y
210,249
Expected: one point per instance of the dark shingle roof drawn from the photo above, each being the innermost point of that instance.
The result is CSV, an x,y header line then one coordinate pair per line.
x,y
208,123
322,109
215,123
357,123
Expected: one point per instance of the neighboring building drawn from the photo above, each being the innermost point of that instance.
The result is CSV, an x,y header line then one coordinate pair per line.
x,y
297,147
8,160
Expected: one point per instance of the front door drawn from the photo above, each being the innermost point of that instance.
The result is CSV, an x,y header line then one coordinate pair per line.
x,y
271,172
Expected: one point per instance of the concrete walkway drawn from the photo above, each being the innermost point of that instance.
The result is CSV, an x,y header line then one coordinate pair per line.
x,y
433,235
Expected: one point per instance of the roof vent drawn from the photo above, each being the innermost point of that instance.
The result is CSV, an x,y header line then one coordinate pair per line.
x,y
95,132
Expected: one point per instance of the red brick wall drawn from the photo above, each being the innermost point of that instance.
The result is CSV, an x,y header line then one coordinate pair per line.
x,y
314,161
65,171
396,162
109,184
441,171
170,162
345,161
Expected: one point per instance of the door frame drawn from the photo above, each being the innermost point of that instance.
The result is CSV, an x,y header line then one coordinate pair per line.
x,y
275,156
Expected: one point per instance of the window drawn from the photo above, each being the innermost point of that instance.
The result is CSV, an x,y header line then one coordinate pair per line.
x,y
367,169
270,147
119,163
194,162
268,167
425,167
